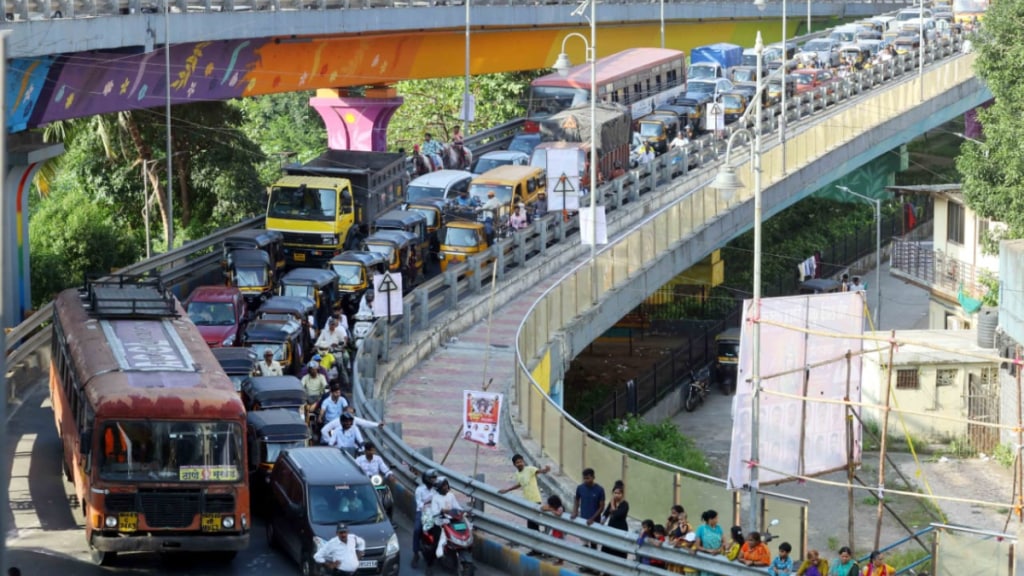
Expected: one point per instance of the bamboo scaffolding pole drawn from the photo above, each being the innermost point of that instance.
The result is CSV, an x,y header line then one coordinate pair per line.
x,y
881,445
850,475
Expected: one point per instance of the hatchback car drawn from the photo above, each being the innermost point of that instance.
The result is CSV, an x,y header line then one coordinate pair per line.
x,y
439,184
311,491
497,158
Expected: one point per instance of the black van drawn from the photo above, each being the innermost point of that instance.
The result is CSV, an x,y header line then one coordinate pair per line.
x,y
312,490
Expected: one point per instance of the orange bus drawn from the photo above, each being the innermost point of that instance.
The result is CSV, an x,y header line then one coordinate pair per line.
x,y
153,431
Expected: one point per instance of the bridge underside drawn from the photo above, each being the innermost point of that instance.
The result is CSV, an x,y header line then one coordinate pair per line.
x,y
41,90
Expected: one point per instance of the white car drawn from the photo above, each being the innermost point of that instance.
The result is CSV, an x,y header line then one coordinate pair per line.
x,y
497,158
440,184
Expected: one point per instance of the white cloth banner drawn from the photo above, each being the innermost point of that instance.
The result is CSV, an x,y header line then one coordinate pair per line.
x,y
785,424
586,226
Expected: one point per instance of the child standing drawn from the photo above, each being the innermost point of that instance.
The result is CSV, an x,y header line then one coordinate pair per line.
x,y
782,565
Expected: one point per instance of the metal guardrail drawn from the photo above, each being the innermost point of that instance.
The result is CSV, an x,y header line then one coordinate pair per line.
x,y
26,10
444,292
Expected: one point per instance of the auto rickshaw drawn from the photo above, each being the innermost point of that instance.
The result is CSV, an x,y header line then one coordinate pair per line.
x,y
274,392
433,209
659,129
819,286
251,271
270,432
734,104
355,272
408,221
283,338
906,43
317,284
290,308
269,241
401,251
727,359
237,363
460,239
855,56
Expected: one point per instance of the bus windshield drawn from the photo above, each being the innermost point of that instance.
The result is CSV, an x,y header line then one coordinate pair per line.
x,y
164,451
303,203
349,503
548,100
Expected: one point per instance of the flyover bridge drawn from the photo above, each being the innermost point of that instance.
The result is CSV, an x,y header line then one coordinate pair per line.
x,y
660,227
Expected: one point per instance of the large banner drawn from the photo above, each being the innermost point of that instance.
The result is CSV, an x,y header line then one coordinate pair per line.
x,y
807,359
481,417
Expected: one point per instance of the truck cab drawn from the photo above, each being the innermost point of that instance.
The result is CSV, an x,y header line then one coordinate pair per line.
x,y
317,206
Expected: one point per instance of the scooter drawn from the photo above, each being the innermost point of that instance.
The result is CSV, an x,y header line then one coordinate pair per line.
x,y
383,489
768,536
361,328
699,385
458,546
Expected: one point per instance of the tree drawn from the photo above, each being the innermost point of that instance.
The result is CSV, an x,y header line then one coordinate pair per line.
x,y
993,170
72,235
285,127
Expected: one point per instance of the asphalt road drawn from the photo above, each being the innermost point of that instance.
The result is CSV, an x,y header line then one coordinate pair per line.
x,y
46,534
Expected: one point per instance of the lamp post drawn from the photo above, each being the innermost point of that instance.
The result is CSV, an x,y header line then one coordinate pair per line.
x,y
878,248
727,182
167,112
563,65
662,23
465,83
920,47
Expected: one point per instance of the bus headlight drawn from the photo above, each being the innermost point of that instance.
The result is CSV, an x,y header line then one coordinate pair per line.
x,y
392,546
228,522
245,522
111,521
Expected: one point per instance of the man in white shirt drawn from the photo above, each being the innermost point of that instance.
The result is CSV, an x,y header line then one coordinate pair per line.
x,y
334,336
371,464
442,501
341,553
269,366
424,494
342,433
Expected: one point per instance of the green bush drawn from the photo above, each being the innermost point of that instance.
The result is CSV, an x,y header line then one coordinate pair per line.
x,y
661,441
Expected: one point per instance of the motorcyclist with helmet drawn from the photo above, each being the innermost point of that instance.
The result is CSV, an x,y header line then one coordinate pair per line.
x,y
343,434
424,495
442,502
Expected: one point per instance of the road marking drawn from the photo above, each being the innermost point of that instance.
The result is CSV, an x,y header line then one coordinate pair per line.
x,y
22,507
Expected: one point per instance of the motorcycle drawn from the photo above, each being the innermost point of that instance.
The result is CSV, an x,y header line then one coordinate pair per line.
x,y
361,328
383,489
768,536
458,543
699,385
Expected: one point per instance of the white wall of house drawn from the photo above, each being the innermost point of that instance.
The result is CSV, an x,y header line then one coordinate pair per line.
x,y
927,380
958,232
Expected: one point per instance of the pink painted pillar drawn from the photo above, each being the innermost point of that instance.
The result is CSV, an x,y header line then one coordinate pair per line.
x,y
356,123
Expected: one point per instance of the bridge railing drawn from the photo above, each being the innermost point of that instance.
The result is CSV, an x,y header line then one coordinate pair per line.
x,y
26,10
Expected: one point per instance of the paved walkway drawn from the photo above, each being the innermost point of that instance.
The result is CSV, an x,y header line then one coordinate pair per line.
x,y
427,399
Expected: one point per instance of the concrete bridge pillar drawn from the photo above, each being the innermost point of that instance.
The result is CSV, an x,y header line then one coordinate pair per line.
x,y
26,153
356,122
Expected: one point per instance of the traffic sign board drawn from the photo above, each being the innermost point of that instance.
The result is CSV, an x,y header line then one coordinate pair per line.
x,y
387,284
390,290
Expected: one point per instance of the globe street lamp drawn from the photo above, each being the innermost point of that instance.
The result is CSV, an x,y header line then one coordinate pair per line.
x,y
728,182
562,66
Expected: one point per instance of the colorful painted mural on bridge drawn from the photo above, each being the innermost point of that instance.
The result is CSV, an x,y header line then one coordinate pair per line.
x,y
40,91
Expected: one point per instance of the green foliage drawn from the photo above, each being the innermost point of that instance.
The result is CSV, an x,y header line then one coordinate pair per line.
x,y
661,441
1004,455
991,284
71,235
902,558
994,170
285,127
433,106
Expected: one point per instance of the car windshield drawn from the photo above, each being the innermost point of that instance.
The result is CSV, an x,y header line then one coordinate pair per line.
x,y
502,192
260,348
524,144
651,129
136,450
460,237
732,101
250,277
349,503
348,274
698,72
416,192
804,79
270,450
302,203
484,164
386,250
428,213
744,75
729,349
749,60
818,46
300,290
700,87
548,100
211,313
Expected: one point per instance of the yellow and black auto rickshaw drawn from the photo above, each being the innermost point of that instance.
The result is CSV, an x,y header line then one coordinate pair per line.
x,y
269,241
727,360
355,270
252,272
401,251
317,284
271,432
461,239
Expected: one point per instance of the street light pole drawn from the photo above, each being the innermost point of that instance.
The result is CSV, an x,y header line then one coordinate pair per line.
x,y
784,112
809,17
662,23
727,181
920,48
878,249
562,65
465,83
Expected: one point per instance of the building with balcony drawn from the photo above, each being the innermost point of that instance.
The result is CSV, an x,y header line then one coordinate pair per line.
x,y
954,265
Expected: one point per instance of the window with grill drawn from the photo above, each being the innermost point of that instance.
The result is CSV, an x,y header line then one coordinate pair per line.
x,y
955,222
945,377
907,379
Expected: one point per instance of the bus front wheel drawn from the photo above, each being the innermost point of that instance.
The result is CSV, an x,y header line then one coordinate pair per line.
x,y
102,558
